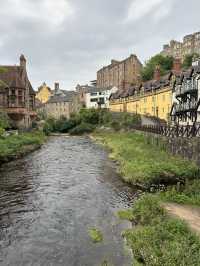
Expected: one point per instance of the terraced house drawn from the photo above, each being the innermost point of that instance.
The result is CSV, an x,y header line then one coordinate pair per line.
x,y
17,97
151,98
186,97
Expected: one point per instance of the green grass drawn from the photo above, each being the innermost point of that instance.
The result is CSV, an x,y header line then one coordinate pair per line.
x,y
157,239
142,163
188,194
95,235
14,144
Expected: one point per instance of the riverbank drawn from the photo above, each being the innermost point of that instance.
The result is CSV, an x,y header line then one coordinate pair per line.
x,y
143,164
156,238
17,146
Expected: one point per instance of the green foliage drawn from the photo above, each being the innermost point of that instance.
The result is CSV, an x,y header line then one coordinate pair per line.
x,y
145,164
115,125
158,240
126,214
2,131
189,59
165,63
147,210
14,144
4,121
95,235
189,194
90,116
82,128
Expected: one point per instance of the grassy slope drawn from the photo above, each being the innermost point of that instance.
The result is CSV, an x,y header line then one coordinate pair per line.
x,y
18,144
144,164
157,239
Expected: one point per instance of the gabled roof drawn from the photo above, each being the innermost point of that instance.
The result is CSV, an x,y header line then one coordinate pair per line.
x,y
12,77
63,96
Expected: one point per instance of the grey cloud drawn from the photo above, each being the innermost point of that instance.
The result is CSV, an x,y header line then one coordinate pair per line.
x,y
72,50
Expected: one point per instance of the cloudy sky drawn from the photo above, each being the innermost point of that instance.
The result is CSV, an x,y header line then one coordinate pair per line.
x,y
69,40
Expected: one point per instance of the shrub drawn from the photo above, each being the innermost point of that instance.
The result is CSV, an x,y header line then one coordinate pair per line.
x,y
90,116
4,121
115,125
2,130
82,128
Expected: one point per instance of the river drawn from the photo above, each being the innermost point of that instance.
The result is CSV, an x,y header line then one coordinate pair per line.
x,y
49,200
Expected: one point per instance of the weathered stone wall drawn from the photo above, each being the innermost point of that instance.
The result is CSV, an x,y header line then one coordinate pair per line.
x,y
188,148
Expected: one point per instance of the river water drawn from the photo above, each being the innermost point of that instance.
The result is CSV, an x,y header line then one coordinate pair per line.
x,y
49,200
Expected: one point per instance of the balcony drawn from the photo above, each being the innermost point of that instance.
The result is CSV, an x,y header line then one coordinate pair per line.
x,y
189,88
185,107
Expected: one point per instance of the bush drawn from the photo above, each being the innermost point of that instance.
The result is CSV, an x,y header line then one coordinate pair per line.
x,y
4,121
2,131
82,128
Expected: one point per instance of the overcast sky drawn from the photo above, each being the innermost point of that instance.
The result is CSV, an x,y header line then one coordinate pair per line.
x,y
69,40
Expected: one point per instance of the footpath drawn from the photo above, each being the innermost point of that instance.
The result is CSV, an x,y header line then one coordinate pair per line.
x,y
189,214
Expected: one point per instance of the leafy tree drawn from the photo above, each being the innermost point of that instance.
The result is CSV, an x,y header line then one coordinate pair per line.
x,y
189,59
165,63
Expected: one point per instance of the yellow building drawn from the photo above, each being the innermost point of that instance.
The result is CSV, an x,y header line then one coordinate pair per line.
x,y
152,98
44,93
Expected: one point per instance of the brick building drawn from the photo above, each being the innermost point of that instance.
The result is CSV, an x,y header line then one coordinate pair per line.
x,y
121,74
17,97
190,45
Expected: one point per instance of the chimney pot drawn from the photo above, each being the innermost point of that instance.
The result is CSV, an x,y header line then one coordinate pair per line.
x,y
56,86
177,65
157,73
22,61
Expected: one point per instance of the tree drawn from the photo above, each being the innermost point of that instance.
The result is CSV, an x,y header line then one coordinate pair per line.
x,y
165,63
189,59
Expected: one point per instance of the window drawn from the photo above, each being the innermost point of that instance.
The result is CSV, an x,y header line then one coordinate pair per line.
x,y
94,100
93,93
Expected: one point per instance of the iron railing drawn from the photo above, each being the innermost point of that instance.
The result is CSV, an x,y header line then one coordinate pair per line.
x,y
188,131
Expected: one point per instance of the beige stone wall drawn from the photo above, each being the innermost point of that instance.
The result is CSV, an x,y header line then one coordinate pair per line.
x,y
120,74
57,110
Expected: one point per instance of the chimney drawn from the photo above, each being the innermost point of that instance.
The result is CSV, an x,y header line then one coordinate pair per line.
x,y
177,65
22,61
56,87
157,73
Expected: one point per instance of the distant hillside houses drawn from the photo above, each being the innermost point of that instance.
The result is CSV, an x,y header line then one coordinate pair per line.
x,y
190,45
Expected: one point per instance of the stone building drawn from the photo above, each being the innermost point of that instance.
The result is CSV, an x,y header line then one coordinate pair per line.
x,y
121,74
44,93
190,45
17,97
151,98
61,104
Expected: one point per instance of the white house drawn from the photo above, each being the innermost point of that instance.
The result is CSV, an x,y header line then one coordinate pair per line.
x,y
186,97
99,97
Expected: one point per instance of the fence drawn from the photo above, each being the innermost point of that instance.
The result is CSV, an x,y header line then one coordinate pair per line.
x,y
172,131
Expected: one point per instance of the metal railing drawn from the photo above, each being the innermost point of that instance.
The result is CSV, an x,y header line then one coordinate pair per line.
x,y
188,131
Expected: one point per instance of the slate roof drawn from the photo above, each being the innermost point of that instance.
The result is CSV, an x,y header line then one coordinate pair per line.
x,y
12,76
62,96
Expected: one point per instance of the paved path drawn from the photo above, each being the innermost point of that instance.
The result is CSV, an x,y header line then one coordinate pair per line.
x,y
189,214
